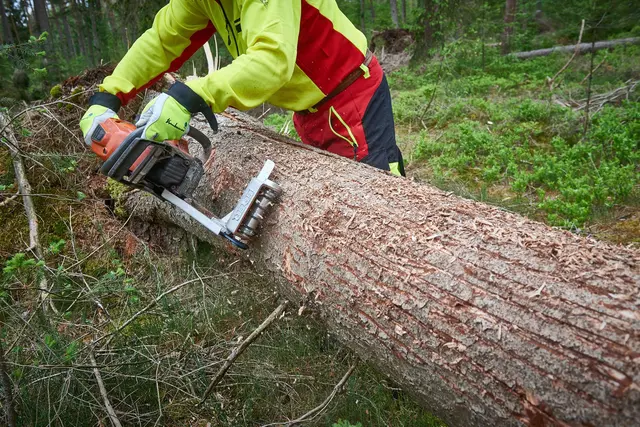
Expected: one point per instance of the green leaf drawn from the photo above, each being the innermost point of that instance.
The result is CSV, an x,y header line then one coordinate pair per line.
x,y
81,196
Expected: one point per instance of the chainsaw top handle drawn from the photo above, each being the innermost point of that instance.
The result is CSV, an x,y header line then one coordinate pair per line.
x,y
202,139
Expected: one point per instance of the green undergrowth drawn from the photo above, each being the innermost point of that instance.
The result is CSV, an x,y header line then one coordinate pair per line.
x,y
283,124
501,135
157,367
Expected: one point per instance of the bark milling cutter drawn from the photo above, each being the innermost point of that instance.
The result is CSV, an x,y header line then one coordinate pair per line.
x,y
168,171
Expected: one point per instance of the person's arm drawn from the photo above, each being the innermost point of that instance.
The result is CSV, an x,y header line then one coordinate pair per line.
x,y
179,30
271,29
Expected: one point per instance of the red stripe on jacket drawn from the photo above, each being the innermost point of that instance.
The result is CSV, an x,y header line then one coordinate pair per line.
x,y
196,41
324,54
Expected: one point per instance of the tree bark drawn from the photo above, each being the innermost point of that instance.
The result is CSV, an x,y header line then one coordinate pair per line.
x,y
67,33
6,30
486,317
431,9
509,18
42,18
394,13
582,48
94,12
79,28
404,11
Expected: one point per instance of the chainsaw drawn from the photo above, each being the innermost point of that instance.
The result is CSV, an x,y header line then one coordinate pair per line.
x,y
168,171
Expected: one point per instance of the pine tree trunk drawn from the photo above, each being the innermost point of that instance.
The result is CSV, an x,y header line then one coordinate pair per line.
x,y
94,12
404,11
487,318
394,13
363,26
509,18
42,18
6,30
67,33
77,17
430,13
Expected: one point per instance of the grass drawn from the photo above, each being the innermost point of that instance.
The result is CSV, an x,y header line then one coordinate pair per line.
x,y
498,135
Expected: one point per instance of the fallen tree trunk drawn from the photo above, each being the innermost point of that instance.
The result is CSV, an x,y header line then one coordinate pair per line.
x,y
487,318
581,48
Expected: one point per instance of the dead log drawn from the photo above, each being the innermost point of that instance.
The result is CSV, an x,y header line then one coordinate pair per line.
x,y
580,48
486,317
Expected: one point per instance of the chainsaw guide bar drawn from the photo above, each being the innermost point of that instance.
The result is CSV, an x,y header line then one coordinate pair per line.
x,y
168,171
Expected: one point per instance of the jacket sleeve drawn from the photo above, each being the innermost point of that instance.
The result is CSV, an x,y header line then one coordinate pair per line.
x,y
270,29
178,31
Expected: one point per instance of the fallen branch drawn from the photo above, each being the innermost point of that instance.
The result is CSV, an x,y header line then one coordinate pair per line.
x,y
594,70
24,188
598,101
575,53
9,199
103,391
147,308
312,414
581,48
10,410
241,348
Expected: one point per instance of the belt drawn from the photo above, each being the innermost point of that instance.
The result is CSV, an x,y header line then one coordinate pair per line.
x,y
345,83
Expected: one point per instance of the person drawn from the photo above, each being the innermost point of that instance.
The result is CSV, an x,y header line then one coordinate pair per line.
x,y
301,55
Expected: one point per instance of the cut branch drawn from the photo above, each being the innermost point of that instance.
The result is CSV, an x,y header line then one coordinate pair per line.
x,y
241,348
103,392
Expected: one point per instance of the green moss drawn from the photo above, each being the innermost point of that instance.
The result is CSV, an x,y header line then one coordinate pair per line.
x,y
56,91
117,190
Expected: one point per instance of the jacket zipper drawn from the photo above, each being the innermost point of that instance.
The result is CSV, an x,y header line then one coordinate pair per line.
x,y
229,29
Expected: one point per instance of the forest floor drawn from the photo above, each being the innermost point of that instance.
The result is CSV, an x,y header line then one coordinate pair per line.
x,y
498,135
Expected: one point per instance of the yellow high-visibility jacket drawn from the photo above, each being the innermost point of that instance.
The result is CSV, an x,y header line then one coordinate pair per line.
x,y
290,53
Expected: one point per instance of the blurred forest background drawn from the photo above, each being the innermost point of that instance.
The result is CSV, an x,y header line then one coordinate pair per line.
x,y
555,137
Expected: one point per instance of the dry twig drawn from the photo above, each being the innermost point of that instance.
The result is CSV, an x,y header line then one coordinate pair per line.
x,y
8,391
241,348
594,70
9,199
24,188
312,414
103,391
575,53
149,306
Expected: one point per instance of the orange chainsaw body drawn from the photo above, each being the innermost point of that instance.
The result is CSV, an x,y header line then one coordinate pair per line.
x,y
115,131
